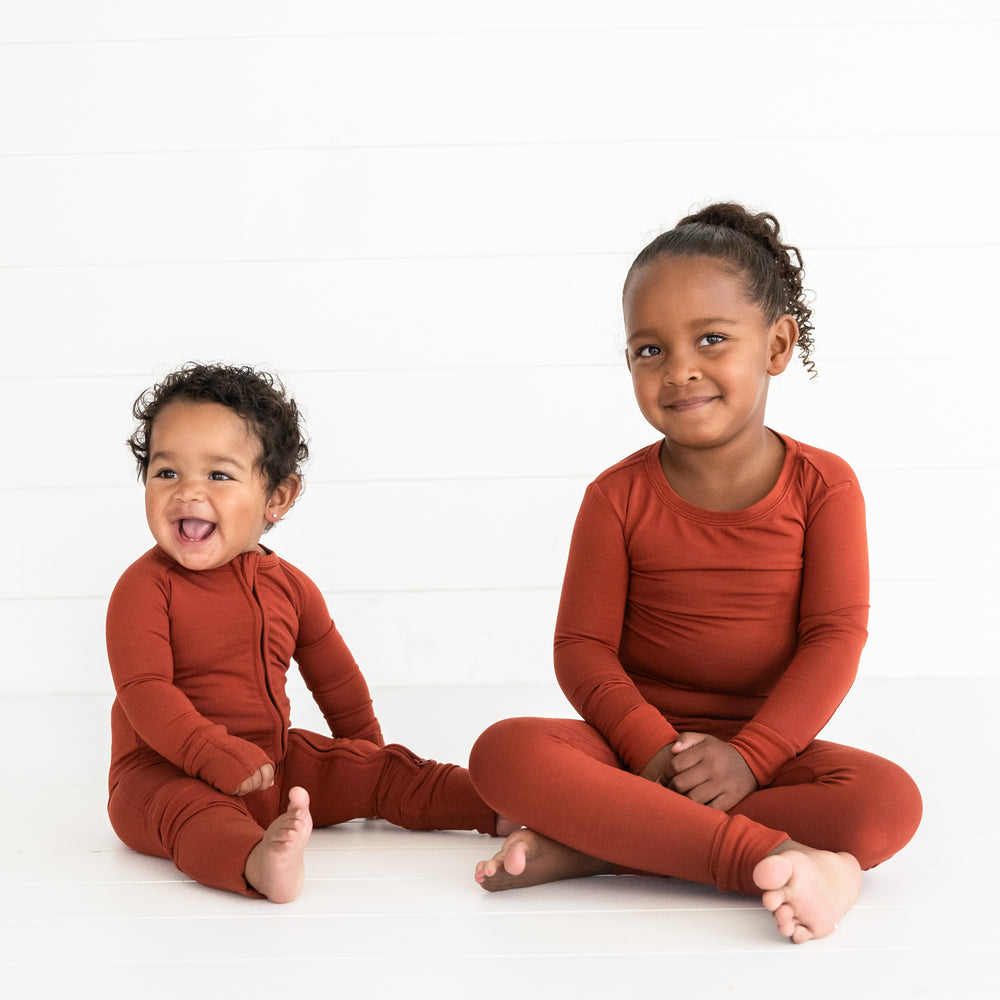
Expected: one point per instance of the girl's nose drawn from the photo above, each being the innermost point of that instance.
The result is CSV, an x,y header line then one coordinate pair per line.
x,y
679,371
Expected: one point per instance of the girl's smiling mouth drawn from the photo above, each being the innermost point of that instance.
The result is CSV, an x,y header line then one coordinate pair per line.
x,y
194,529
690,402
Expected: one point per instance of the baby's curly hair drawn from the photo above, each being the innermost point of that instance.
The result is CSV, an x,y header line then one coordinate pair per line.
x,y
257,396
772,270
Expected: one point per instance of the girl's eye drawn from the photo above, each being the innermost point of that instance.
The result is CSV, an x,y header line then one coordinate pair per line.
x,y
649,351
711,339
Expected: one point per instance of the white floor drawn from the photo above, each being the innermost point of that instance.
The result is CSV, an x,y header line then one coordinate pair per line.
x,y
388,913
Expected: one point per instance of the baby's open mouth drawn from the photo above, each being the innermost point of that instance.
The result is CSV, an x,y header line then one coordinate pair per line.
x,y
194,529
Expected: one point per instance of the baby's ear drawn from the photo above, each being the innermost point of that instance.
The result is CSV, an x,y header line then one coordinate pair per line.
x,y
285,494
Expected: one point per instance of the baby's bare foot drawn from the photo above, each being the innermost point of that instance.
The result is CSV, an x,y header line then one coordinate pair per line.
x,y
275,867
528,858
808,891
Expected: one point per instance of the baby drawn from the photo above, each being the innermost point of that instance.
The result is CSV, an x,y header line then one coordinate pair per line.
x,y
200,633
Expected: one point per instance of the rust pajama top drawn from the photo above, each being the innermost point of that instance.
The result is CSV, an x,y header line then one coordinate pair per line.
x,y
199,661
747,625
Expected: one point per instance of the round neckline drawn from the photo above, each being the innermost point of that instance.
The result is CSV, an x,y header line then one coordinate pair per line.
x,y
673,499
267,557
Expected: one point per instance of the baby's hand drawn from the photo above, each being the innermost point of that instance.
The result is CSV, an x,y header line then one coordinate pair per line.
x,y
710,771
261,779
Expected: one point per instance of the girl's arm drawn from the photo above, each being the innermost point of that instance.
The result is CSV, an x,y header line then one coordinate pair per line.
x,y
161,715
833,621
588,633
330,671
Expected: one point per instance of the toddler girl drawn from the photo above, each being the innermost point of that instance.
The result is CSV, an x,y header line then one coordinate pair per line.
x,y
713,613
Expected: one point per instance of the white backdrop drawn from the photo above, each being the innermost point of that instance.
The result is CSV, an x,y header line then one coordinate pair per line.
x,y
421,215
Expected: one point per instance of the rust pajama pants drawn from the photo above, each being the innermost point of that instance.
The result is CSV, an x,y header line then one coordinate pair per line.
x,y
155,808
560,778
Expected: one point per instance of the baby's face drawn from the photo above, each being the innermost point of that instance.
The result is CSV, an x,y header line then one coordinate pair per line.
x,y
206,499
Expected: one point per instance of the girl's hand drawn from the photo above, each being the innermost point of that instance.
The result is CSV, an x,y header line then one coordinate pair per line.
x,y
260,780
710,772
661,767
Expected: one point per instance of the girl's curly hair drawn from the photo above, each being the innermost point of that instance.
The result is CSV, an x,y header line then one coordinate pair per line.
x,y
772,270
257,396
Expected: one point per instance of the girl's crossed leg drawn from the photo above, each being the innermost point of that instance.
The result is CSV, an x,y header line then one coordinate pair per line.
x,y
793,843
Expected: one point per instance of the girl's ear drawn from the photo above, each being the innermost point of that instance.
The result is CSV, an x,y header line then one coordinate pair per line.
x,y
784,335
285,494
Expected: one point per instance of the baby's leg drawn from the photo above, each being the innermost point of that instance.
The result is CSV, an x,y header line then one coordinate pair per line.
x,y
275,867
808,891
355,779
157,809
527,858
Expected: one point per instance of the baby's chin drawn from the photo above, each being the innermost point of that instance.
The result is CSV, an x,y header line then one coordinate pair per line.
x,y
194,543
210,551
198,561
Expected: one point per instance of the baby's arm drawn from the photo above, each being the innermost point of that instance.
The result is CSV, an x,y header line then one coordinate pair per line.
x,y
330,671
162,716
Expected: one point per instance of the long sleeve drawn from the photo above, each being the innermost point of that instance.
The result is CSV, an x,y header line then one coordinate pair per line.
x,y
150,704
588,634
330,672
832,629
748,624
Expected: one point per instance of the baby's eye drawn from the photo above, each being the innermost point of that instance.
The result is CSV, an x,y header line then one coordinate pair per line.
x,y
711,339
218,476
647,351
164,474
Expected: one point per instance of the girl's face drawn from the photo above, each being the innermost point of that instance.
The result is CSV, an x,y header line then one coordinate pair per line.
x,y
206,500
700,353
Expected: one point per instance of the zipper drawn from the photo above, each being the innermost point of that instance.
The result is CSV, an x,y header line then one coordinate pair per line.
x,y
248,578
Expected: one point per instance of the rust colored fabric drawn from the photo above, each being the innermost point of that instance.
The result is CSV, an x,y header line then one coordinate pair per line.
x,y
747,625
199,661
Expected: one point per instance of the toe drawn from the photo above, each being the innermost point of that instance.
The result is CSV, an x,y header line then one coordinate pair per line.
x,y
801,935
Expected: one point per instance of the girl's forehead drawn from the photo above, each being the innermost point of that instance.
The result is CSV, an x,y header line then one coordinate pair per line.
x,y
685,282
685,269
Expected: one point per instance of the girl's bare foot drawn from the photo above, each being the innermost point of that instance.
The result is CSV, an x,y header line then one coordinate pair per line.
x,y
808,891
528,858
275,867
505,827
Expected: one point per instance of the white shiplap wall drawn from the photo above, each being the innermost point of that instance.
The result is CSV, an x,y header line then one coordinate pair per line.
x,y
421,214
